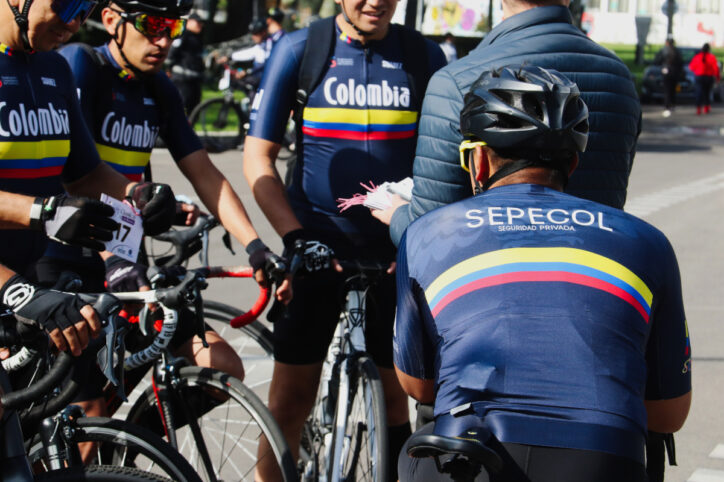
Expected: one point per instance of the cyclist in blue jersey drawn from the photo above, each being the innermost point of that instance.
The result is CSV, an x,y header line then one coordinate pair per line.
x,y
46,150
555,322
359,125
123,90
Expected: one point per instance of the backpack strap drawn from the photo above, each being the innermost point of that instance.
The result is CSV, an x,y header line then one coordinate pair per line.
x,y
415,60
317,51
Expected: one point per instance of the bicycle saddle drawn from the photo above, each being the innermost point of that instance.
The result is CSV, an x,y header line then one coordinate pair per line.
x,y
470,444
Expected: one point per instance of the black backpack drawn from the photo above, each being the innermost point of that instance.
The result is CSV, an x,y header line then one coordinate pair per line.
x,y
319,48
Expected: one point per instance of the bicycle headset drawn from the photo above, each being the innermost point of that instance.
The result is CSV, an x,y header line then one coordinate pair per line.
x,y
531,115
162,8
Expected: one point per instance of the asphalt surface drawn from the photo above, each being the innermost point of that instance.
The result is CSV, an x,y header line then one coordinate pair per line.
x,y
676,184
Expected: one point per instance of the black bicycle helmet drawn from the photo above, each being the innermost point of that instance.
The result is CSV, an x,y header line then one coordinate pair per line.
x,y
526,107
526,113
275,14
258,25
166,8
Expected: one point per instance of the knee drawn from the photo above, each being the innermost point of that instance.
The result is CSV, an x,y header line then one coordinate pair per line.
x,y
291,406
219,355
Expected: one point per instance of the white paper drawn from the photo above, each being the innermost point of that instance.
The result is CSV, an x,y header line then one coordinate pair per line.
x,y
126,240
380,197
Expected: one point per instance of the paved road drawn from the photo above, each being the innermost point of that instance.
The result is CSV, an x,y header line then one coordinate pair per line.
x,y
676,184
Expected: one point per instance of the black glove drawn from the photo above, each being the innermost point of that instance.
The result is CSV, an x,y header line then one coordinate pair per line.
x,y
261,257
123,275
157,205
39,307
73,220
316,256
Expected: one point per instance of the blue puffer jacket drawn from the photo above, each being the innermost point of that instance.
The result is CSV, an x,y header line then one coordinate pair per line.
x,y
542,36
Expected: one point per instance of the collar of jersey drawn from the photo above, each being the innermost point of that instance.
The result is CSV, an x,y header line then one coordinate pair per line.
x,y
347,39
122,73
7,50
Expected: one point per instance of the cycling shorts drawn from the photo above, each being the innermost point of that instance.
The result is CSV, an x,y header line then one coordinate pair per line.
x,y
303,333
529,463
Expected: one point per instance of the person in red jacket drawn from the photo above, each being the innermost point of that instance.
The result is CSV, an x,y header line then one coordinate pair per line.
x,y
706,68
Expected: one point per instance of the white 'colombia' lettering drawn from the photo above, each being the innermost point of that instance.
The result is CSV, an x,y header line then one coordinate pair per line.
x,y
369,95
24,121
123,133
546,219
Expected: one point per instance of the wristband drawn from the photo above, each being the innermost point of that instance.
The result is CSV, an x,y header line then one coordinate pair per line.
x,y
255,245
289,239
36,214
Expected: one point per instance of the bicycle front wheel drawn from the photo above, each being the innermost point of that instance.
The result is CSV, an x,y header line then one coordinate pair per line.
x,y
119,443
365,445
220,124
231,420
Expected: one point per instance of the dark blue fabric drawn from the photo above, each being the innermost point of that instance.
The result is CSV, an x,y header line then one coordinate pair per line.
x,y
39,104
334,163
542,36
548,348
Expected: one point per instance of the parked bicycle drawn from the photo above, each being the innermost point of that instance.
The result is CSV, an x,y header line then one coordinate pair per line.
x,y
345,437
222,122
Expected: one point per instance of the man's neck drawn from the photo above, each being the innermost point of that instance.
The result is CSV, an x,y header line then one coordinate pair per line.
x,y
514,7
9,30
540,176
349,30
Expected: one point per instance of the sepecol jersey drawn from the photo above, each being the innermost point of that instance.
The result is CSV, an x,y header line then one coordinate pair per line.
x,y
359,125
43,139
555,317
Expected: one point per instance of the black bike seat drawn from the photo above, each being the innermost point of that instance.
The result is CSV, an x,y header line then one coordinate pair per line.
x,y
431,445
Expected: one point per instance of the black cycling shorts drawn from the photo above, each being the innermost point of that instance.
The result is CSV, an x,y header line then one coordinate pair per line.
x,y
302,335
529,463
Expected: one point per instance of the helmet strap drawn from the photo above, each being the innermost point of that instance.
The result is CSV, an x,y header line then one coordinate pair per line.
x,y
128,65
362,33
21,18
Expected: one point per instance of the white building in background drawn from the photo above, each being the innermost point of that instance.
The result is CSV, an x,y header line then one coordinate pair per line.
x,y
606,21
695,22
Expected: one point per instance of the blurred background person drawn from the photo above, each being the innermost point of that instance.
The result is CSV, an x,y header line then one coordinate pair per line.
x,y
671,63
706,69
448,47
274,19
187,62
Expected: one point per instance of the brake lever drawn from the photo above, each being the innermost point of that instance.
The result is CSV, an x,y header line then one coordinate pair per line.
x,y
199,310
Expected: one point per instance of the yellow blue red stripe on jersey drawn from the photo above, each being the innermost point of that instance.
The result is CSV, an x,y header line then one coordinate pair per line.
x,y
33,159
523,265
5,49
359,124
129,163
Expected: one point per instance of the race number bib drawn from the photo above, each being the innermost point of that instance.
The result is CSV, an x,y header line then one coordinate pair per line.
x,y
127,239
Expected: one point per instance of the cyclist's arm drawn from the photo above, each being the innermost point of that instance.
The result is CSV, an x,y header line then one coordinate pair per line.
x,y
15,210
668,353
217,195
267,186
668,416
102,179
413,349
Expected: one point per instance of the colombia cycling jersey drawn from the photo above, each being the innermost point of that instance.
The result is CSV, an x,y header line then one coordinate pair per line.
x,y
125,117
124,114
359,125
43,139
554,316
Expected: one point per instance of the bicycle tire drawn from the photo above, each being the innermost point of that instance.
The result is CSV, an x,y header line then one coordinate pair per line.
x,y
220,124
253,343
99,473
122,443
366,433
248,415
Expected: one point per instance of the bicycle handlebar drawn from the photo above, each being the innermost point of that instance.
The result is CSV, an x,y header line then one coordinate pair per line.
x,y
186,242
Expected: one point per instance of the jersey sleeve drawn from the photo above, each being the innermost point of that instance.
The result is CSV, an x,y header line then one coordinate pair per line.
x,y
83,156
668,354
176,132
413,350
436,57
274,99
